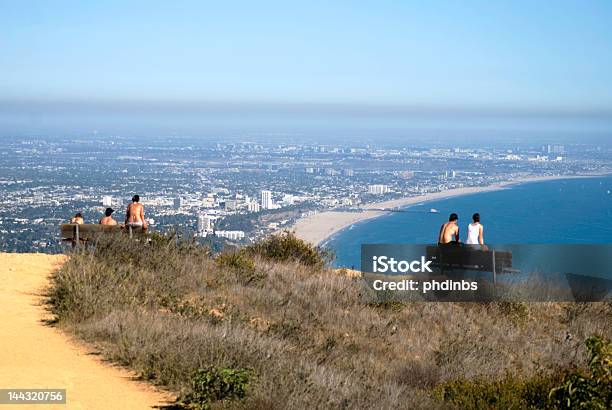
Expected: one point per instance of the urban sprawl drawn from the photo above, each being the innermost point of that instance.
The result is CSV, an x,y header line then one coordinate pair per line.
x,y
239,191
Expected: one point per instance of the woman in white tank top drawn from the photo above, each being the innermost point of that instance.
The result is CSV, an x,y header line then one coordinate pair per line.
x,y
475,230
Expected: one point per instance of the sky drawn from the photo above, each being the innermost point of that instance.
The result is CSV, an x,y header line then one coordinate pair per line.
x,y
92,62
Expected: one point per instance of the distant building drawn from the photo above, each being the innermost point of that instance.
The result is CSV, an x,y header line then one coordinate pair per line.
x,y
208,202
405,174
205,223
346,201
253,206
223,191
347,172
289,199
107,200
229,204
378,189
558,149
178,202
231,235
266,200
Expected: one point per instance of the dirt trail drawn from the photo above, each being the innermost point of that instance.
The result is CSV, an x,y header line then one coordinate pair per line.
x,y
33,355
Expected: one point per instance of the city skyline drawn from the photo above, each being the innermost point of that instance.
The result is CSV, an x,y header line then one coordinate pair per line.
x,y
243,191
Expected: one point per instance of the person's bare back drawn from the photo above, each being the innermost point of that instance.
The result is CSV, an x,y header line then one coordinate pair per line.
x,y
135,213
449,232
107,220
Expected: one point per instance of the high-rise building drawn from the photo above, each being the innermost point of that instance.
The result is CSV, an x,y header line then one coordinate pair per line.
x,y
347,172
378,189
253,206
178,202
266,200
205,223
107,200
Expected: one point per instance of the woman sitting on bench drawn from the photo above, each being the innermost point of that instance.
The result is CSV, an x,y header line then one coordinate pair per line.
x,y
475,235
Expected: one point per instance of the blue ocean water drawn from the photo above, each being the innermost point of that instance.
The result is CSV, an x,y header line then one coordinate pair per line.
x,y
562,211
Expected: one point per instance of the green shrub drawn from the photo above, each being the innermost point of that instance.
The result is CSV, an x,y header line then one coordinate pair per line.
x,y
570,391
507,393
516,312
591,391
287,247
242,265
213,384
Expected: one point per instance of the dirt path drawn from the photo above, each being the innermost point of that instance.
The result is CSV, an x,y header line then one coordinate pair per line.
x,y
33,355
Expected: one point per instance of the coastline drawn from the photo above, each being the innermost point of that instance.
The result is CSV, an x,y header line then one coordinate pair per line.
x,y
319,227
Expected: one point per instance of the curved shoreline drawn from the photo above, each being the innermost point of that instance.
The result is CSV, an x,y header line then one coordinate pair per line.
x,y
320,227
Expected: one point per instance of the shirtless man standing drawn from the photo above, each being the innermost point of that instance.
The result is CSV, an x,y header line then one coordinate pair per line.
x,y
449,230
134,215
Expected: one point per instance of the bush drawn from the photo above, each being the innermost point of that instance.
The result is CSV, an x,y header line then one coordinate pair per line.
x,y
507,393
516,312
576,390
242,265
592,391
287,247
213,384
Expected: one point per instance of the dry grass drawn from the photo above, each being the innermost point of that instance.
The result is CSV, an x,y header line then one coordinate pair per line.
x,y
167,310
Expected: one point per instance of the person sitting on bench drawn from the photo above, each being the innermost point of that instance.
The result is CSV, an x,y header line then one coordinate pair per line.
x,y
475,235
107,219
449,232
135,214
77,219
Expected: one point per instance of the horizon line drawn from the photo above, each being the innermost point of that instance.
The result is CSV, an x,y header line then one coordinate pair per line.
x,y
185,106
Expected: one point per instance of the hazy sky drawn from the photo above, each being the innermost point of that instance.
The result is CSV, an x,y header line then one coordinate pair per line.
x,y
522,56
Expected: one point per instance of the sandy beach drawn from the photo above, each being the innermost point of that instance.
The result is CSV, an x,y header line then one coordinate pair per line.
x,y
318,227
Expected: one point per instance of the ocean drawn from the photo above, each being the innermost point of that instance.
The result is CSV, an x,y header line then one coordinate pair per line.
x,y
570,211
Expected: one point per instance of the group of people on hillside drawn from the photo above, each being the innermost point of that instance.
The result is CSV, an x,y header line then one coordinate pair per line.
x,y
134,215
449,232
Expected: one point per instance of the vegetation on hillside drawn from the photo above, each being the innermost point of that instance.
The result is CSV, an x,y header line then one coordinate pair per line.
x,y
269,326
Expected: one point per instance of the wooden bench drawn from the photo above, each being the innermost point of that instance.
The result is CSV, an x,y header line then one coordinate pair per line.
x,y
84,233
449,257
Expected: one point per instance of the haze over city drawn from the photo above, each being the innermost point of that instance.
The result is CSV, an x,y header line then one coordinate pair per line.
x,y
377,67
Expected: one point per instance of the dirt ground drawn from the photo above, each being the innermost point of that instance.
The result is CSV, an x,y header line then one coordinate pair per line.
x,y
35,355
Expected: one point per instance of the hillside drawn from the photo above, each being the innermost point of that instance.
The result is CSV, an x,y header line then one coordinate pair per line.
x,y
271,327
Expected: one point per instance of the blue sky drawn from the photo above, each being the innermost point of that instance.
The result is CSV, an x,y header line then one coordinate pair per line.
x,y
386,55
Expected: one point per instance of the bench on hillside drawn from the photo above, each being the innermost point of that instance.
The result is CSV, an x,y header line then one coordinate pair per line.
x,y
449,257
76,233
